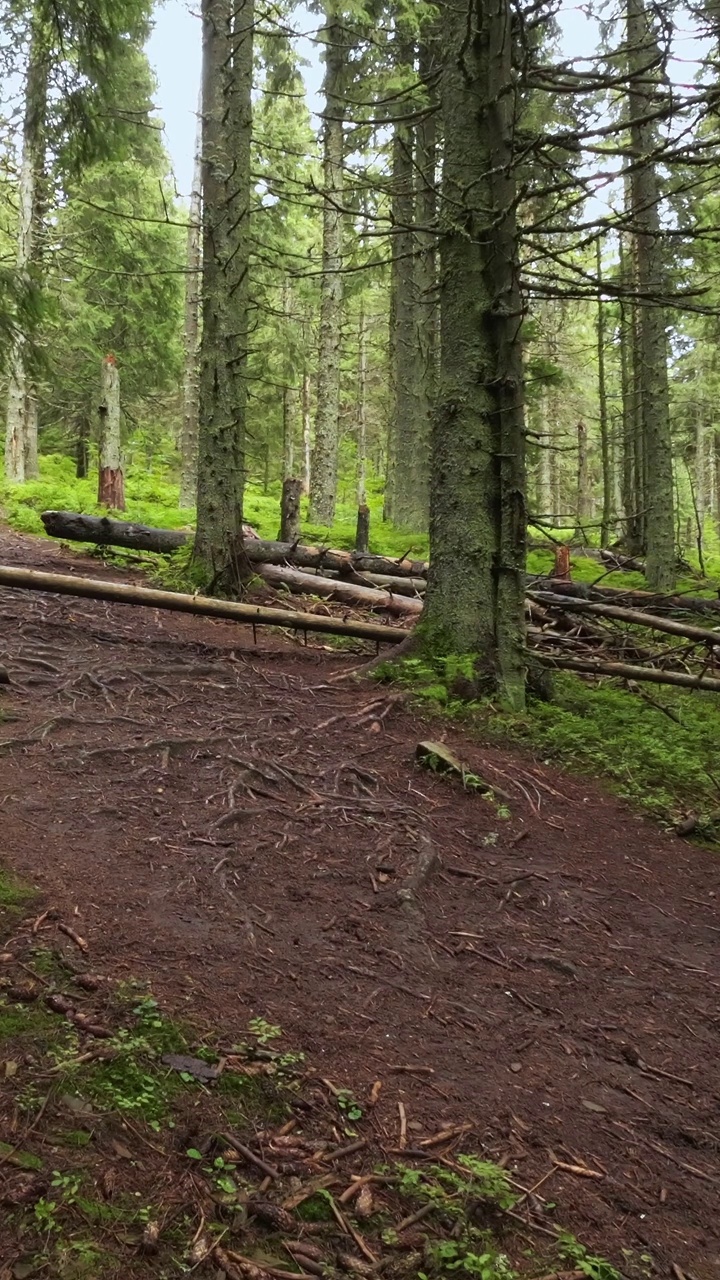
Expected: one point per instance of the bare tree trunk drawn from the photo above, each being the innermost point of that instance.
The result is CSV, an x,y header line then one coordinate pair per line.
x,y
21,460
607,529
323,482
191,337
226,194
545,506
290,510
111,489
583,500
633,486
306,431
289,393
643,98
362,409
407,485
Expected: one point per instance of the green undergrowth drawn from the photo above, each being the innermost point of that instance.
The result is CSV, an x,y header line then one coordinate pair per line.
x,y
656,747
152,499
119,1161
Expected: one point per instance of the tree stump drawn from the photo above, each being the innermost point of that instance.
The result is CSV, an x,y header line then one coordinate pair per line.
x,y
290,510
362,529
561,571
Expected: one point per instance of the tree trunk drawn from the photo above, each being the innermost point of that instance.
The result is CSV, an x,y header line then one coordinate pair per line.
x,y
202,606
583,501
643,97
607,524
306,432
362,408
475,596
544,508
290,510
426,281
289,392
362,529
336,589
226,196
21,462
111,489
82,448
323,483
407,479
191,338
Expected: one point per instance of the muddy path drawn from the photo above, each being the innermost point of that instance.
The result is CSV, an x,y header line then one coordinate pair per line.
x,y
232,821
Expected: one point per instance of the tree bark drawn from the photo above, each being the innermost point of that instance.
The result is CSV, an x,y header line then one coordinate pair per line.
x,y
290,510
191,338
643,96
407,476
226,196
21,447
362,408
306,432
426,276
362,529
475,596
323,482
583,501
607,528
111,487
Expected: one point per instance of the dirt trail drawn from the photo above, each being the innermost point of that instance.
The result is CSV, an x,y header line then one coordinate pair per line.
x,y
233,823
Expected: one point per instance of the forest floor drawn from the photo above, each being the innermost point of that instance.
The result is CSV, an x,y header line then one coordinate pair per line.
x,y
230,822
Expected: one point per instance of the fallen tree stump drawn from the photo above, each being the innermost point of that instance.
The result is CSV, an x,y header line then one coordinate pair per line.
x,y
204,606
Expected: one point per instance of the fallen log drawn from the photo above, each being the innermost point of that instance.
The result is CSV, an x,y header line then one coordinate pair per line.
x,y
337,589
635,617
120,533
634,598
204,606
626,671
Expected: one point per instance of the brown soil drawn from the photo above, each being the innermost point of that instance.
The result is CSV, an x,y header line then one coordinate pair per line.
x,y
233,821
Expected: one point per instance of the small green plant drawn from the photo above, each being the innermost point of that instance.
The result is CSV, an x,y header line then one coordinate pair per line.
x,y
458,1256
596,1268
45,1214
66,1185
264,1032
349,1105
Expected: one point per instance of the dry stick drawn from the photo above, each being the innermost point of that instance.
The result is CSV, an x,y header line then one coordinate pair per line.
x,y
634,617
344,1151
261,1164
403,1125
625,671
349,1230
415,1217
204,606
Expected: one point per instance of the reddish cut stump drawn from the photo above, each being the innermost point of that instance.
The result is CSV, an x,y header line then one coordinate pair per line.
x,y
561,570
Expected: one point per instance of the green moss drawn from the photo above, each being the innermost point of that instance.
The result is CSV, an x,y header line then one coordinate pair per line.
x,y
22,1159
14,895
